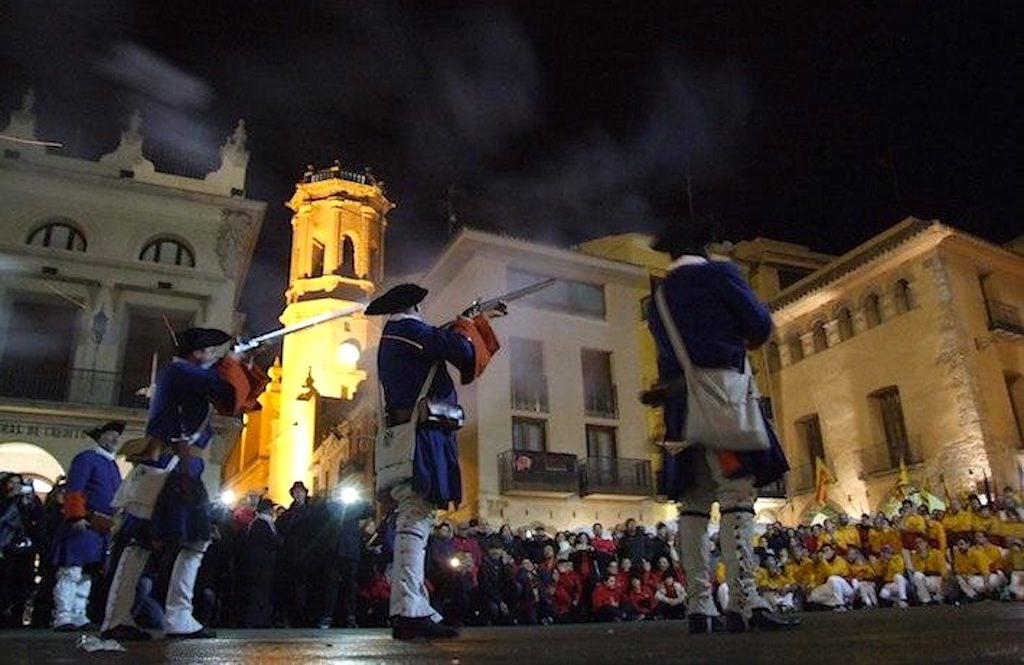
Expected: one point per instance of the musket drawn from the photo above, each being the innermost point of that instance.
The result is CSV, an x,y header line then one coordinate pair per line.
x,y
248,344
500,303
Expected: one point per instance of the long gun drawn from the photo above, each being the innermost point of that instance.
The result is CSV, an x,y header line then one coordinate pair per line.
x,y
249,344
500,303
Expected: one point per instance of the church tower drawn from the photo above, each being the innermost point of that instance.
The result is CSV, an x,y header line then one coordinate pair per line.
x,y
336,261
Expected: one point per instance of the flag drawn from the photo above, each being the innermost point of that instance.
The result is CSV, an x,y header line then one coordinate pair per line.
x,y
822,477
904,480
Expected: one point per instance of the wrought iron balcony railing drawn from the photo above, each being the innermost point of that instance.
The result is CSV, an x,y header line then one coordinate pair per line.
x,y
76,385
886,456
613,475
527,471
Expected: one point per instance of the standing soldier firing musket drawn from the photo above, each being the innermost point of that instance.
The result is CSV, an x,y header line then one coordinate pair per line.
x,y
416,458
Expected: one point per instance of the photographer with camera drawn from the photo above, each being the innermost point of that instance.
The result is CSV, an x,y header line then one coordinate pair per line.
x,y
21,514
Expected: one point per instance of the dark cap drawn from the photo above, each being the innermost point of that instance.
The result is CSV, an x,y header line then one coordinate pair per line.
x,y
194,339
113,426
298,485
690,237
396,299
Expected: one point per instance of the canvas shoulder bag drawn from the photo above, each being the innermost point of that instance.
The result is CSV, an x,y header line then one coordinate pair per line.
x,y
722,409
139,490
396,445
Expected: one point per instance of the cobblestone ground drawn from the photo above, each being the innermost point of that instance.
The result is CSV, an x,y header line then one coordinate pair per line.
x,y
982,633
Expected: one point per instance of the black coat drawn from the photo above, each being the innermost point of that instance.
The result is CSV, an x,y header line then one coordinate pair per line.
x,y
347,536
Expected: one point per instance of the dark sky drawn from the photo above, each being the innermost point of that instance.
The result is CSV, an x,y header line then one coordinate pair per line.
x,y
558,121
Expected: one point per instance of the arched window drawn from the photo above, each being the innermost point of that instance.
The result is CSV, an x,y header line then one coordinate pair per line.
x,y
820,337
168,251
796,350
872,310
901,294
347,267
844,321
58,235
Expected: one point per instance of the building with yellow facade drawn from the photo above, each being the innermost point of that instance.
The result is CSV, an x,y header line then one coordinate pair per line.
x,y
909,348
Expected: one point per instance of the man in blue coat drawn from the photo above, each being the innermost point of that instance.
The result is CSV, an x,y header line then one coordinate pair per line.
x,y
718,317
80,545
409,349
178,429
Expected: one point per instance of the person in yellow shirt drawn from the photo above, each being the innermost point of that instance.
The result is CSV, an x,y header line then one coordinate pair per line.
x,y
890,569
973,573
775,586
882,534
956,521
936,532
983,520
930,570
830,575
913,527
847,535
862,577
1015,564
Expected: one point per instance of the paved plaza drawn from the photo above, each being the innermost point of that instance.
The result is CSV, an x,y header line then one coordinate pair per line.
x,y
982,633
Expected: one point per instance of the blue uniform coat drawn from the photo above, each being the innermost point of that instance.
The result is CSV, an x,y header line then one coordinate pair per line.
x,y
408,348
181,409
718,316
94,476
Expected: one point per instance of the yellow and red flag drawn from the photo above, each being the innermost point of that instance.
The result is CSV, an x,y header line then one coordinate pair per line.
x,y
822,478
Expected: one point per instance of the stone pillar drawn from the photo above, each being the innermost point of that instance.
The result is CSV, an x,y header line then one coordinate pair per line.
x,y
785,360
807,342
887,305
860,322
832,333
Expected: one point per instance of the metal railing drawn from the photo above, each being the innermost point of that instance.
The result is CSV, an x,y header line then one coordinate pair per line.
x,y
530,471
887,456
776,490
602,403
614,475
800,478
83,386
1003,316
330,172
530,396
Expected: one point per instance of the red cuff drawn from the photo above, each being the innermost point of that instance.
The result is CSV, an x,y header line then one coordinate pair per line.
x,y
485,342
74,505
248,380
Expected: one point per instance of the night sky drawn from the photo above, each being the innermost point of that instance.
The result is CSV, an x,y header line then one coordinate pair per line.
x,y
557,121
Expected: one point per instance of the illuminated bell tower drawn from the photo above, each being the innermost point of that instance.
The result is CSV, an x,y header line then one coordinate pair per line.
x,y
337,261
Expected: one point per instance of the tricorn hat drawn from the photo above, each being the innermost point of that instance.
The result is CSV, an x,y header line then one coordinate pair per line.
x,y
680,238
298,484
397,299
113,426
194,339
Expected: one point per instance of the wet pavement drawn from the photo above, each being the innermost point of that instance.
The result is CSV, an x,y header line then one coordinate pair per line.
x,y
983,633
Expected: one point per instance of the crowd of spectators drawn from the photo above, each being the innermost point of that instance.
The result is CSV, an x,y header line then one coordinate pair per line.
x,y
324,561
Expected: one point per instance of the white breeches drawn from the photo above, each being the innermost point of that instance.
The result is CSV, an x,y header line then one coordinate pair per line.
x,y
972,585
895,590
71,596
1017,584
178,617
736,501
122,588
866,592
415,519
928,587
835,592
779,601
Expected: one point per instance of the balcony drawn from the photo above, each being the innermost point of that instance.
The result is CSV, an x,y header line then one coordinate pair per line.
x,y
776,490
530,396
602,403
73,385
613,477
542,474
1004,318
800,478
885,457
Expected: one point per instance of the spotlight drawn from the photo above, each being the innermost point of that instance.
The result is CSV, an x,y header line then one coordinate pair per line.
x,y
228,498
349,495
348,353
454,562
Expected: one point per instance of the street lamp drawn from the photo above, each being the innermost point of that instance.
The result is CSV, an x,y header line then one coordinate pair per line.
x,y
348,353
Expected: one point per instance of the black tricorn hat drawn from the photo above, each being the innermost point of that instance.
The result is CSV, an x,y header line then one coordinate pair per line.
x,y
112,426
194,339
690,237
397,299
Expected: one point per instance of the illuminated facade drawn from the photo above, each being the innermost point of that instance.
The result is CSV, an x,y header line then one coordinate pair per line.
x,y
907,348
338,230
98,259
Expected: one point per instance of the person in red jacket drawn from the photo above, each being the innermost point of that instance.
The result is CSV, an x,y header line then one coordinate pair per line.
x,y
639,600
605,601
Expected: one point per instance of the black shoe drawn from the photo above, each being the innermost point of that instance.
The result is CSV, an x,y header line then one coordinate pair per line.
x,y
201,634
766,620
351,622
405,628
734,622
126,634
65,628
701,624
